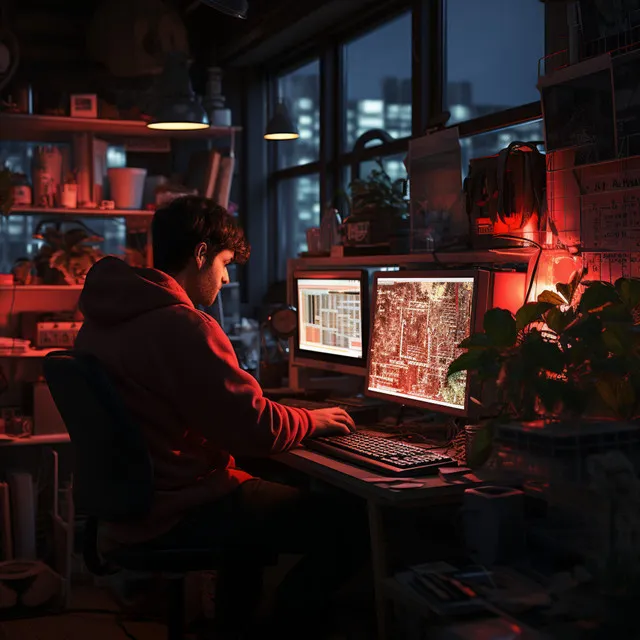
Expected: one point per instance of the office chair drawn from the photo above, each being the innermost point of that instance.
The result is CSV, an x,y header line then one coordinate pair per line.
x,y
113,477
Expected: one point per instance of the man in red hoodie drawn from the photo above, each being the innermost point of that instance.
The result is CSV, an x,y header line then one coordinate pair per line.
x,y
180,379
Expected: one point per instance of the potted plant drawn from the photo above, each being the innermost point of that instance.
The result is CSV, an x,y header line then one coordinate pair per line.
x,y
568,356
378,209
66,256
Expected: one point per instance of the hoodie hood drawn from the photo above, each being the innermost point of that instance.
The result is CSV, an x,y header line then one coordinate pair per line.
x,y
114,292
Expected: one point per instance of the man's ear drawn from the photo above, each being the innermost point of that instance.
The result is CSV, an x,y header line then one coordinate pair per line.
x,y
200,254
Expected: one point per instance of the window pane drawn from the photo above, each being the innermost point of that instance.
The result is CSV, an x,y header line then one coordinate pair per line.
x,y
300,91
17,241
488,144
393,165
298,209
378,81
492,53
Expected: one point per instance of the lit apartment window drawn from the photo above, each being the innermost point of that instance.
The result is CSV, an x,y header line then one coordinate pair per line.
x,y
377,72
371,106
301,91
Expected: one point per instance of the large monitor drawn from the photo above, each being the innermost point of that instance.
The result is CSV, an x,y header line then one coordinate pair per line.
x,y
418,319
333,315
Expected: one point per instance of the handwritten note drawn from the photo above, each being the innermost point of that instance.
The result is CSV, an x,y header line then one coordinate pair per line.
x,y
612,265
611,221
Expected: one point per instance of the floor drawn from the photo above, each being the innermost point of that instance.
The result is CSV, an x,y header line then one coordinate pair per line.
x,y
353,619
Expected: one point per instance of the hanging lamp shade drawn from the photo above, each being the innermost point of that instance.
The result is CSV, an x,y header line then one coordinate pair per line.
x,y
235,8
175,106
281,126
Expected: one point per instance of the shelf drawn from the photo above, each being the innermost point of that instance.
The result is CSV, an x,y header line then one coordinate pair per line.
x,y
32,353
38,128
53,438
41,287
504,255
89,213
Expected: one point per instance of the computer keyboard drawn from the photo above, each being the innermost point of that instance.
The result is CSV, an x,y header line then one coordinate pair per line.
x,y
386,456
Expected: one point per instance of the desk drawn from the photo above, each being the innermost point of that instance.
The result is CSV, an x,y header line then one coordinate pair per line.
x,y
354,480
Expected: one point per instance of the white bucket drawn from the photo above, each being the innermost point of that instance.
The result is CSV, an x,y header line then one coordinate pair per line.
x,y
127,186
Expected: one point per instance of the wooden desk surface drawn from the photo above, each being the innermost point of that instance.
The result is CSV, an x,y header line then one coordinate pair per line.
x,y
363,482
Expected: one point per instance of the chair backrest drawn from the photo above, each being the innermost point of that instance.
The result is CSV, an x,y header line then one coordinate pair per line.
x,y
113,476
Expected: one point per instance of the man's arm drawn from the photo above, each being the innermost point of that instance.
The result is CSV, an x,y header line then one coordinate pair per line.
x,y
225,403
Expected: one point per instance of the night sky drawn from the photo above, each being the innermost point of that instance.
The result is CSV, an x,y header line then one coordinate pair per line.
x,y
493,43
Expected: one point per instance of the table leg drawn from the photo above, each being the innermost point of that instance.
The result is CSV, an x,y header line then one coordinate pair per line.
x,y
379,564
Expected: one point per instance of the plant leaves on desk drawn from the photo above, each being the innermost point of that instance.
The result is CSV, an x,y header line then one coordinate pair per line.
x,y
500,327
532,312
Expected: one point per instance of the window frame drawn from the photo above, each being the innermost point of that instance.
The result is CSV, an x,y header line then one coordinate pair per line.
x,y
427,79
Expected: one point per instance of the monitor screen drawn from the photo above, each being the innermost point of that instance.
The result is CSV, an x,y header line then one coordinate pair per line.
x,y
418,321
332,315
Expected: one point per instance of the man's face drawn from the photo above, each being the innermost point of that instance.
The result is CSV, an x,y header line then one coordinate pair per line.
x,y
211,276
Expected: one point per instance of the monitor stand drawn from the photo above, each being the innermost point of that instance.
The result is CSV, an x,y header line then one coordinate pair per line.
x,y
426,428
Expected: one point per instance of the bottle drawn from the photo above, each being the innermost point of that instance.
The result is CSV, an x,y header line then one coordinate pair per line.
x,y
329,229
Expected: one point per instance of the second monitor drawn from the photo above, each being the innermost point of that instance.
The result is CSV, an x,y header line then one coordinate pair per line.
x,y
418,321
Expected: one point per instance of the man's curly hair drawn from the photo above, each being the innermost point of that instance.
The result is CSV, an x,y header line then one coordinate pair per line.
x,y
187,221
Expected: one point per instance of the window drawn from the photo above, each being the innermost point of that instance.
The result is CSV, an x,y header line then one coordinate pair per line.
x,y
393,165
298,209
300,90
377,69
17,241
492,53
492,142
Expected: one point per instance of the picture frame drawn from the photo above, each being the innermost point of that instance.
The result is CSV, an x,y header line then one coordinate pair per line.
x,y
84,105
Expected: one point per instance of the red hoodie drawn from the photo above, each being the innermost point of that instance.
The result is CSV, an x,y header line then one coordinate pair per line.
x,y
180,379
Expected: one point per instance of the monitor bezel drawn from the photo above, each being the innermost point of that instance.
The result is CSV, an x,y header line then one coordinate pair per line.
x,y
325,361
481,302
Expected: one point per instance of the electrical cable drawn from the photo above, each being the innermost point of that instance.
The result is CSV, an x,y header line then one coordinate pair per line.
x,y
535,264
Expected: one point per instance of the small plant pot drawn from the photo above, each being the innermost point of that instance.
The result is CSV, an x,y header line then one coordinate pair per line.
x,y
478,444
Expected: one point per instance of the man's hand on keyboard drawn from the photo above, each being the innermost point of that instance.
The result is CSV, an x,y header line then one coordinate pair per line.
x,y
331,422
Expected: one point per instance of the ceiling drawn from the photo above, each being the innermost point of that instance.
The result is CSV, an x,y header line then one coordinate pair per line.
x,y
52,33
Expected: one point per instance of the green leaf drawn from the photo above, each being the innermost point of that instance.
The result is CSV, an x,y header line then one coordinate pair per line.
x,y
500,327
531,312
618,394
558,320
539,354
565,291
617,338
569,290
597,295
552,298
476,341
550,392
615,313
468,361
629,291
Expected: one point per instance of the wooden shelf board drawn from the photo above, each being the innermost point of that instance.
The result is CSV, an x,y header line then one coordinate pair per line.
x,y
41,287
96,213
30,354
504,255
53,438
19,126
